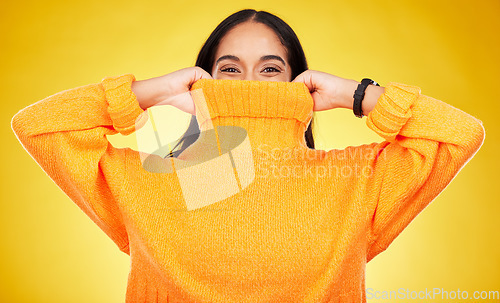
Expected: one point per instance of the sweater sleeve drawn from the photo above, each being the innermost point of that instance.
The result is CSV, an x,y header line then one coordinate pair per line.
x,y
66,135
427,142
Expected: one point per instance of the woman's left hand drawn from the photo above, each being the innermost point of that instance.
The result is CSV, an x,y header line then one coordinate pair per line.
x,y
328,91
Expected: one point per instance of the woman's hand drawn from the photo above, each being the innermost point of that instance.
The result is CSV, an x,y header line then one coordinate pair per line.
x,y
329,91
170,89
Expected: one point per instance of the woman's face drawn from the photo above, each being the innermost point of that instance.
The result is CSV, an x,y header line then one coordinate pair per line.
x,y
251,51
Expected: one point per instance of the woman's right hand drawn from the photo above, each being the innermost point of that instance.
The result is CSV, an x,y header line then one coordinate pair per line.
x,y
170,89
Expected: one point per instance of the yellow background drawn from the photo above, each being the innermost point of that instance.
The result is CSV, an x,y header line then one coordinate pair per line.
x,y
51,252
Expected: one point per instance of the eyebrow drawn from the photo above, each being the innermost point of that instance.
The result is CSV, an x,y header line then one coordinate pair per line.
x,y
263,58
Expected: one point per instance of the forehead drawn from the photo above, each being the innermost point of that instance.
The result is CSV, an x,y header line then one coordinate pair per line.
x,y
251,40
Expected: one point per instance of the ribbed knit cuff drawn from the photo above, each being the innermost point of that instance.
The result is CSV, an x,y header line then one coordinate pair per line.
x,y
123,106
392,110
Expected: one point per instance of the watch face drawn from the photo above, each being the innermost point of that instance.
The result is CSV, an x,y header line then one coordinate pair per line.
x,y
367,81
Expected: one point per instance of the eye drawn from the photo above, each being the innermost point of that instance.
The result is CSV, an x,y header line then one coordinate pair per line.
x,y
271,70
229,70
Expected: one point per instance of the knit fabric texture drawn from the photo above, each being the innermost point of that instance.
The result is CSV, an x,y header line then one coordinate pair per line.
x,y
301,230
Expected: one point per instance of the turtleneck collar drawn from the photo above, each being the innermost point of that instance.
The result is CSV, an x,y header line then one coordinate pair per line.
x,y
274,114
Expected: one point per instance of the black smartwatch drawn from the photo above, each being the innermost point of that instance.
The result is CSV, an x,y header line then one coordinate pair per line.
x,y
359,94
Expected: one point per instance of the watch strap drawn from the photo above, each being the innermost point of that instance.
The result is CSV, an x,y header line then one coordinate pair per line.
x,y
359,95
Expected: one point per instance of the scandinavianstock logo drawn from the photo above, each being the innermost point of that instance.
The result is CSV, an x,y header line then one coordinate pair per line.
x,y
219,161
431,294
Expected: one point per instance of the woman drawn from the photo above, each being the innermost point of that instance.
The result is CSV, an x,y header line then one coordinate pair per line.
x,y
270,236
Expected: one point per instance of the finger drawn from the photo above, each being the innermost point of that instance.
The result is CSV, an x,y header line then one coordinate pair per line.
x,y
306,78
201,73
183,102
198,74
205,75
300,77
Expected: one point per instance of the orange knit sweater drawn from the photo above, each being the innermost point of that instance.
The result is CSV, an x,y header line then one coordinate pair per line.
x,y
289,224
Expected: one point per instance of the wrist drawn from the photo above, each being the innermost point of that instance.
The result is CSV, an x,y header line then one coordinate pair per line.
x,y
372,94
347,95
150,92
